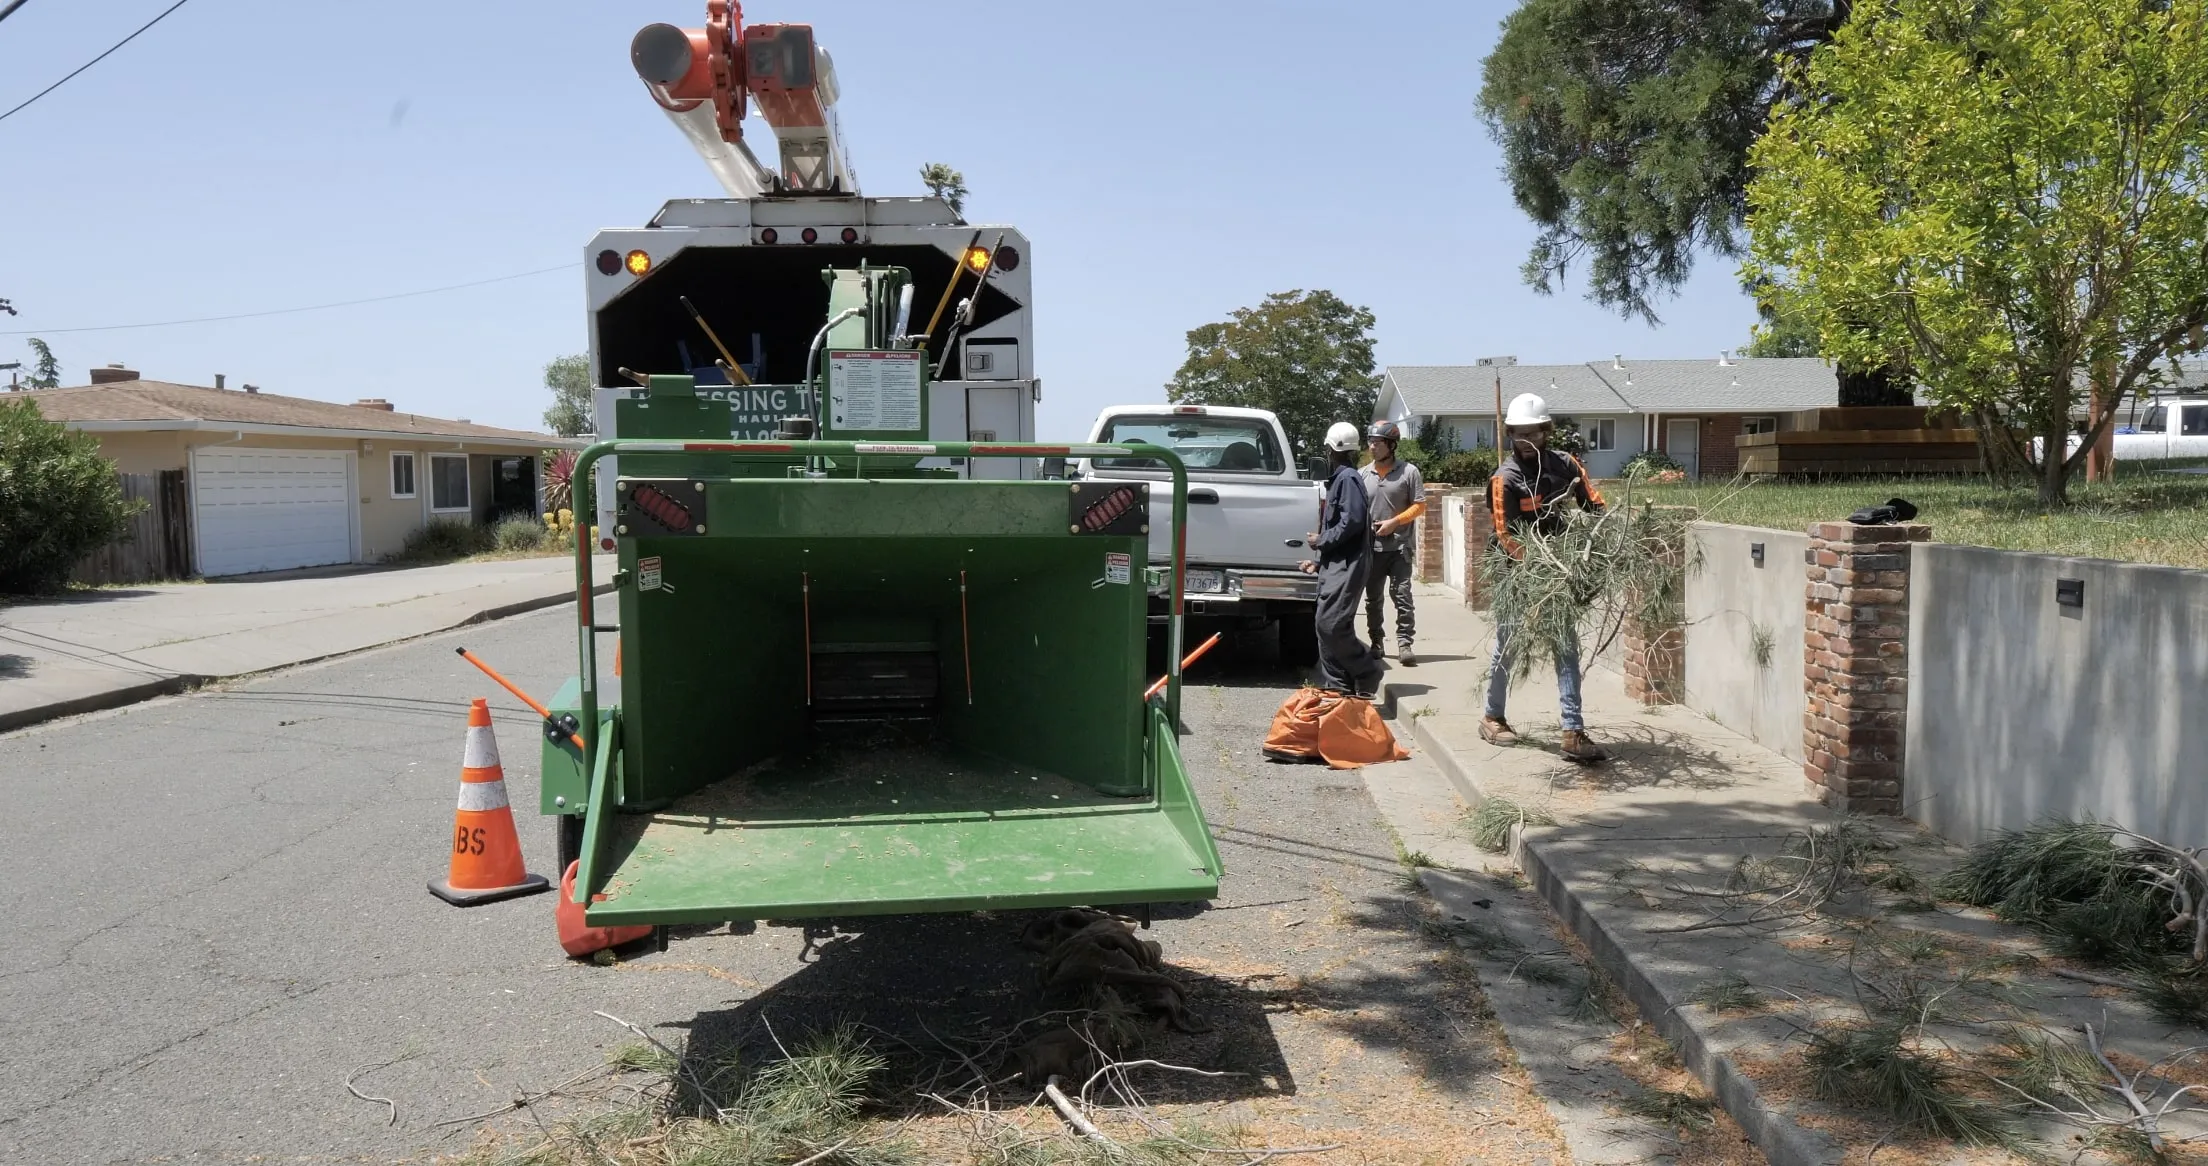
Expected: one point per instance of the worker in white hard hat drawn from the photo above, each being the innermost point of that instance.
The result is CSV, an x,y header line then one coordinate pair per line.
x,y
1341,550
1529,492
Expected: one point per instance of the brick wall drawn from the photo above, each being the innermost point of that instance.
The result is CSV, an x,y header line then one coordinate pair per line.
x,y
1654,651
1720,457
1426,550
1479,530
1856,663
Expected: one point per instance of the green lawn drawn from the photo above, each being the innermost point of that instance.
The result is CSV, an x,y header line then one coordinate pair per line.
x,y
2145,515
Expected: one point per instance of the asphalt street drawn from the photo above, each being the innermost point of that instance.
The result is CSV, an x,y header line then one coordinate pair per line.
x,y
221,915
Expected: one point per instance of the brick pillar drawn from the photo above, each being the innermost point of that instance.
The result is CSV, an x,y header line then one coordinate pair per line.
x,y
1426,551
1856,663
1479,530
1655,649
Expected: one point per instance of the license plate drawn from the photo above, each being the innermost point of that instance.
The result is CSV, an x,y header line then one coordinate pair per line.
x,y
1203,582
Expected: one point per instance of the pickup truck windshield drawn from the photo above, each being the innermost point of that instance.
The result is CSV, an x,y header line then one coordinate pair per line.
x,y
1213,444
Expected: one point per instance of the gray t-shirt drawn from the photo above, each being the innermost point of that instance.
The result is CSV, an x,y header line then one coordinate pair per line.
x,y
1392,495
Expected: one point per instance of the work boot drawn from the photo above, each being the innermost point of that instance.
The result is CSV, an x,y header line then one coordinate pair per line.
x,y
1497,731
1406,657
1578,747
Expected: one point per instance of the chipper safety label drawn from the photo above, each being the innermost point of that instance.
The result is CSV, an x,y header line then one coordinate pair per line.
x,y
648,577
1118,568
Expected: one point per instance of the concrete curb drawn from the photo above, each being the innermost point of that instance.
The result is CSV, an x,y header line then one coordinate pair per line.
x,y
1784,1141
173,685
99,701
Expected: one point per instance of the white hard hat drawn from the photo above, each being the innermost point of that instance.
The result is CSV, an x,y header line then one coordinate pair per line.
x,y
1527,409
1344,438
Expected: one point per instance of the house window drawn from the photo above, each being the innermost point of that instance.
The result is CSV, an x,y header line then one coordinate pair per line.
x,y
402,475
1602,434
448,481
1759,425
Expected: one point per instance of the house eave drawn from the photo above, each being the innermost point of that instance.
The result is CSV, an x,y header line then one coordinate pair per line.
x,y
265,430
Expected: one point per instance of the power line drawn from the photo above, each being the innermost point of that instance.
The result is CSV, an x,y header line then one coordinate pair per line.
x,y
10,9
427,291
88,64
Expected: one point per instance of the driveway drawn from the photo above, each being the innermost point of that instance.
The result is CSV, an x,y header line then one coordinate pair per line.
x,y
105,648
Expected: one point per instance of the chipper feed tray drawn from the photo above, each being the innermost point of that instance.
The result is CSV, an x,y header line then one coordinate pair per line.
x,y
871,691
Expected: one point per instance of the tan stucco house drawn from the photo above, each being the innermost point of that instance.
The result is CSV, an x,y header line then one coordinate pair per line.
x,y
275,482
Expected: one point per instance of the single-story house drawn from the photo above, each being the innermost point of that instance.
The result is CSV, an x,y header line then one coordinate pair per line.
x,y
274,482
1689,409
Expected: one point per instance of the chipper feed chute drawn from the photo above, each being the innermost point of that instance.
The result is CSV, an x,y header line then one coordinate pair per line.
x,y
850,685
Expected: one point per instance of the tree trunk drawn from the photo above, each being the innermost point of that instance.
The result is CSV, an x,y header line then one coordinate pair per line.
x,y
2054,462
2099,461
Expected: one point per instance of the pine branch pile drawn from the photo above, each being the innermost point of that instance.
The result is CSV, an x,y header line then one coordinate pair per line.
x,y
1583,584
2104,895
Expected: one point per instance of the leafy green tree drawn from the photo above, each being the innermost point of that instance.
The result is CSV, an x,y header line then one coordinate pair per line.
x,y
1625,127
45,369
568,378
1998,195
1788,335
1306,356
59,500
946,184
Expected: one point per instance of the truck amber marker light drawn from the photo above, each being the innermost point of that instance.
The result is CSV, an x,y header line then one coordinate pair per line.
x,y
638,262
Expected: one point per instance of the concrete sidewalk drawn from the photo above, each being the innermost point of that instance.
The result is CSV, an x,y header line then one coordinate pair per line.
x,y
101,649
1639,859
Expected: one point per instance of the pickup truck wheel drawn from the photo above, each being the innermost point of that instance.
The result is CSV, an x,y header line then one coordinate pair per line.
x,y
567,840
1299,639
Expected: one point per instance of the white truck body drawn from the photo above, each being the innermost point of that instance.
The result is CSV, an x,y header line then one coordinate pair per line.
x,y
752,266
1248,506
2171,427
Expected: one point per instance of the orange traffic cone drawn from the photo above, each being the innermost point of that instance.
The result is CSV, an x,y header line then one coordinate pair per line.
x,y
486,855
578,938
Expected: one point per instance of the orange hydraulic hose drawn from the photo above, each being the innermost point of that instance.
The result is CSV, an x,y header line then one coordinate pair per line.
x,y
1187,660
523,697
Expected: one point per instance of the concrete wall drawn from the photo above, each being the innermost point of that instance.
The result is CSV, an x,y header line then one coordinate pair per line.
x,y
2020,708
1729,601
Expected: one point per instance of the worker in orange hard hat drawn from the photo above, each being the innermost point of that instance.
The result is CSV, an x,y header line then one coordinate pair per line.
x,y
1529,491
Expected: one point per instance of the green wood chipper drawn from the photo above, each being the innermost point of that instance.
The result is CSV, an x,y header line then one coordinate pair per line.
x,y
851,682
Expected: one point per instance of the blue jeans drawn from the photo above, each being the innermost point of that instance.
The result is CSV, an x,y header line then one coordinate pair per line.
x,y
1567,680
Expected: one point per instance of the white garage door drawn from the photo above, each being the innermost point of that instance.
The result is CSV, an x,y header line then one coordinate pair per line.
x,y
269,509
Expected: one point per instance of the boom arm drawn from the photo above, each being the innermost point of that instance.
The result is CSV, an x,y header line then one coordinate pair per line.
x,y
704,77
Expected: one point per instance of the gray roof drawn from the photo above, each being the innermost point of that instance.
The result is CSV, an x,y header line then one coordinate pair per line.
x,y
1456,390
1747,384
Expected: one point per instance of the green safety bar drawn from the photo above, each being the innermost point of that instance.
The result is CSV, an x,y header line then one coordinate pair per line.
x,y
598,752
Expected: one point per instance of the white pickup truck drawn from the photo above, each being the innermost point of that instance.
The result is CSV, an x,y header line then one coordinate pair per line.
x,y
2170,427
1249,507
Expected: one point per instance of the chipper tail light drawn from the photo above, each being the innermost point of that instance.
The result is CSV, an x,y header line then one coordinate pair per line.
x,y
638,262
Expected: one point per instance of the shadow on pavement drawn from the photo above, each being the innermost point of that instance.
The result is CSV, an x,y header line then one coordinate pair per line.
x,y
944,998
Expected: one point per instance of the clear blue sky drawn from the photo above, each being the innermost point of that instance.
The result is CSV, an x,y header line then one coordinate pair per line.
x,y
1170,162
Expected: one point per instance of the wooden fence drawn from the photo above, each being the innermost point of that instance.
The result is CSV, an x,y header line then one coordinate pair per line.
x,y
158,544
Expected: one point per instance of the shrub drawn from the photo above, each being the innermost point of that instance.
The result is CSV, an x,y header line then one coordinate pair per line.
x,y
1463,468
59,500
441,541
519,532
1650,462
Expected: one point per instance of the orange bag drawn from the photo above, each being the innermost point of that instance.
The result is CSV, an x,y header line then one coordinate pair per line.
x,y
1343,731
